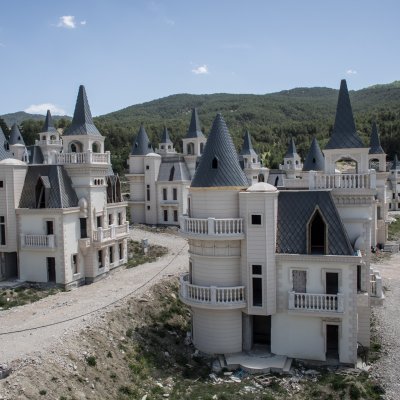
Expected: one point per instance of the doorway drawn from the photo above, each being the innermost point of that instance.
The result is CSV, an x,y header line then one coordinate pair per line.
x,y
332,341
262,330
51,269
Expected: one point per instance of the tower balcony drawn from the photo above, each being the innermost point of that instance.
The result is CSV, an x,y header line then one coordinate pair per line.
x,y
212,228
342,181
212,297
316,303
49,142
102,235
38,241
84,158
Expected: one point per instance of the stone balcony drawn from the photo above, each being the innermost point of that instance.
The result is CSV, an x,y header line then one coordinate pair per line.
x,y
342,181
49,142
38,241
212,228
84,158
211,296
316,303
113,232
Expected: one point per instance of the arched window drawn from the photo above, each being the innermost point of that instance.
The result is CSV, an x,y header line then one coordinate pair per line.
x,y
190,148
73,148
43,137
96,147
317,234
214,164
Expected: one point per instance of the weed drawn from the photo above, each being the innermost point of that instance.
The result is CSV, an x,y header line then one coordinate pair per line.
x,y
91,361
109,355
354,392
43,392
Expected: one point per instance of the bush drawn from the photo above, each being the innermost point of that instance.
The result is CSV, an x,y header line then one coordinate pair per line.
x,y
91,361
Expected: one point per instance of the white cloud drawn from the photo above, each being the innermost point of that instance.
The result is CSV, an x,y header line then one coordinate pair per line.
x,y
351,72
67,21
203,69
42,109
83,22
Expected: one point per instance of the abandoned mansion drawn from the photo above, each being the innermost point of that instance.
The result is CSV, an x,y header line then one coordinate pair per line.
x,y
279,257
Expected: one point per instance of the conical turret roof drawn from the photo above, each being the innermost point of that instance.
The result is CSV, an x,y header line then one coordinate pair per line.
x,y
344,134
4,150
396,163
82,122
165,136
291,150
194,127
247,148
141,144
48,125
219,164
15,136
375,141
315,158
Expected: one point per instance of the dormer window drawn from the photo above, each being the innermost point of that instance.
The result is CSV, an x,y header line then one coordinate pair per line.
x,y
172,173
317,234
136,145
214,164
7,147
149,145
40,194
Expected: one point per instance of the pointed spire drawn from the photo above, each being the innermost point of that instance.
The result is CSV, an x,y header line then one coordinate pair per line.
x,y
165,136
48,123
291,151
141,144
375,141
82,122
194,127
15,136
219,165
315,158
4,147
247,148
344,134
396,163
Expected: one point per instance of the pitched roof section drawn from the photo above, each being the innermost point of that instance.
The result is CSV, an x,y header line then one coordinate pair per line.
x,y
395,163
16,136
60,195
375,141
247,148
194,127
82,122
291,151
295,210
173,169
219,164
165,136
344,134
48,124
315,159
4,148
35,154
141,144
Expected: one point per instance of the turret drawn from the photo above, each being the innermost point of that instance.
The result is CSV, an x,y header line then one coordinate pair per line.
x,y
49,141
376,155
17,144
315,158
291,161
166,146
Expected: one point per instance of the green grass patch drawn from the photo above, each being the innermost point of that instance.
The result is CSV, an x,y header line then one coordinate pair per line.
x,y
137,257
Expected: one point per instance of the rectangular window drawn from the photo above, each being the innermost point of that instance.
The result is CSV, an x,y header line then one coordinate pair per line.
x,y
358,278
256,219
165,215
121,251
49,228
148,207
175,193
100,258
74,263
1,184
111,254
175,215
119,218
99,222
256,271
394,196
379,216
148,192
164,194
147,167
299,279
2,231
110,219
51,269
83,223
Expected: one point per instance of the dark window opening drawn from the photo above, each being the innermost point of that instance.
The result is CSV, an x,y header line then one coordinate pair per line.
x,y
164,191
51,269
148,207
262,329
6,146
99,221
261,178
257,292
256,219
49,228
1,184
75,263
379,215
317,232
83,226
171,173
276,181
121,251
332,341
119,218
175,194
165,215
110,219
148,192
358,278
111,254
256,269
147,167
214,164
2,231
175,215
100,258
332,283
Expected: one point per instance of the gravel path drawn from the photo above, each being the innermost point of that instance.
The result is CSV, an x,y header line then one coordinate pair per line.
x,y
387,368
69,305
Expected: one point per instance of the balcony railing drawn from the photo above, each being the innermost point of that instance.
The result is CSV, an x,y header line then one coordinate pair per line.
x,y
213,296
113,232
38,241
54,142
331,303
84,158
211,226
343,181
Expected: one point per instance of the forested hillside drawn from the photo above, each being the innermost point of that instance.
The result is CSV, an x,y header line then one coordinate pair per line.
x,y
271,119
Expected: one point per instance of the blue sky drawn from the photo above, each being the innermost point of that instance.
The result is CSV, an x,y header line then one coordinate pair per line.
x,y
127,52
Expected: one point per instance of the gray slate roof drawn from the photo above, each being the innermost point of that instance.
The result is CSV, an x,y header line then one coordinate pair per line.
x,y
35,155
194,127
173,169
141,144
48,125
275,177
395,163
219,164
315,158
16,136
344,134
165,136
295,208
375,141
4,152
82,122
60,195
247,147
291,151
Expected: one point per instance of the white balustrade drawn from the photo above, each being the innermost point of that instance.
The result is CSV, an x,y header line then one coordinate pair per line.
x,y
57,142
114,231
212,226
342,181
316,302
38,241
211,295
84,158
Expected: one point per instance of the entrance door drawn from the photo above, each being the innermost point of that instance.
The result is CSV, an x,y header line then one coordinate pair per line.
x,y
262,330
332,341
51,269
332,283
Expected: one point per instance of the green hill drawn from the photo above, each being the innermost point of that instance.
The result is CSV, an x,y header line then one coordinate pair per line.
x,y
20,116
